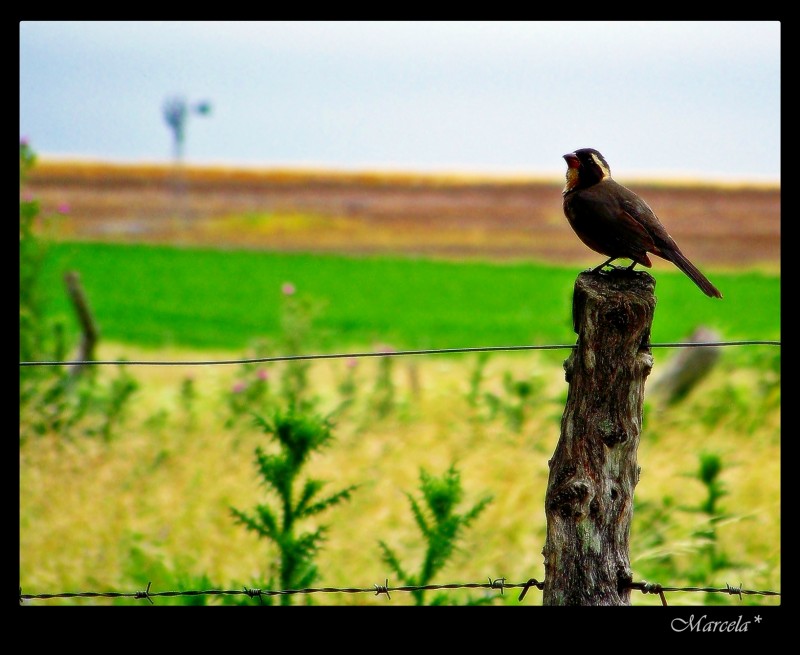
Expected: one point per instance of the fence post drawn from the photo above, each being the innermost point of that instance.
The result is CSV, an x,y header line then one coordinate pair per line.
x,y
593,471
89,331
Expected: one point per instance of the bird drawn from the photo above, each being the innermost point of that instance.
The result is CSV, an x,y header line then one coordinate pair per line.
x,y
614,221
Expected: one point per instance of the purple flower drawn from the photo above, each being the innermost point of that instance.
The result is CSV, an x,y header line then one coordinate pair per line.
x,y
351,362
239,387
288,289
23,141
63,208
262,374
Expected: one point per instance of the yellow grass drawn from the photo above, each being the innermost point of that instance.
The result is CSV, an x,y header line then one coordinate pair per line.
x,y
166,488
147,172
92,171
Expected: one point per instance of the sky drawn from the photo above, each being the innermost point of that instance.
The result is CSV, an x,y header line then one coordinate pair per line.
x,y
658,99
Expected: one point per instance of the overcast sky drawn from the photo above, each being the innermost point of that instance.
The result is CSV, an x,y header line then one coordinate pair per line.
x,y
657,99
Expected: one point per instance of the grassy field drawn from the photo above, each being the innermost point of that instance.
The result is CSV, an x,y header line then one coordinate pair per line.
x,y
719,227
128,477
152,503
205,298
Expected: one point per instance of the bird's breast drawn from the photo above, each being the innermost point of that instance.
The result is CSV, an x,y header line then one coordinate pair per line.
x,y
572,180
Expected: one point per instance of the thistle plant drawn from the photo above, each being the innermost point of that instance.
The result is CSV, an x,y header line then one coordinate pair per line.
x,y
297,317
441,527
382,398
188,401
298,436
250,392
347,386
518,400
708,474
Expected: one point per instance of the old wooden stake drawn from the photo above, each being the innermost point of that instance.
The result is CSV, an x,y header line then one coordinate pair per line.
x,y
89,331
593,471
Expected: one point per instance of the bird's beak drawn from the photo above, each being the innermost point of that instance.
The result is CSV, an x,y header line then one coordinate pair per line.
x,y
572,160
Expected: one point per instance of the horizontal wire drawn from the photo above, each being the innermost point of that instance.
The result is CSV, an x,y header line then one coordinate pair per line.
x,y
390,353
498,584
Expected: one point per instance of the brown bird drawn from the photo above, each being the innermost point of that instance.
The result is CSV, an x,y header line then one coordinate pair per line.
x,y
614,221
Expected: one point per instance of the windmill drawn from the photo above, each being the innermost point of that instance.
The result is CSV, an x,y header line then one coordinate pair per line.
x,y
176,113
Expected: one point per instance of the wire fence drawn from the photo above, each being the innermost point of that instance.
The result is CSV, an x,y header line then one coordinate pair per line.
x,y
498,584
383,353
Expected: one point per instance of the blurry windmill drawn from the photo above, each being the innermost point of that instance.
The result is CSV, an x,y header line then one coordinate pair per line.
x,y
176,113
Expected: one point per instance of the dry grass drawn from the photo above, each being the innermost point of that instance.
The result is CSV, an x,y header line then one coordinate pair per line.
x,y
166,489
90,172
445,215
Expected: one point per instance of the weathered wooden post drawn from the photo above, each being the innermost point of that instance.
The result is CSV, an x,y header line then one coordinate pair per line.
x,y
593,471
89,331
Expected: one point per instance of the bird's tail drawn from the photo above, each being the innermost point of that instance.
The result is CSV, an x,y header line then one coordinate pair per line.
x,y
679,259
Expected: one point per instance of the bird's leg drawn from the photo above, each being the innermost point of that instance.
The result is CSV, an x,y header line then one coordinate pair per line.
x,y
603,265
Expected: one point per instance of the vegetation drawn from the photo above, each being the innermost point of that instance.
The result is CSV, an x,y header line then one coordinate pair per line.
x,y
159,495
160,296
147,172
441,526
58,398
298,437
151,501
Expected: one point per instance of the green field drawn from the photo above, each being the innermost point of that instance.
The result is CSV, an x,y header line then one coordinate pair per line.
x,y
150,500
211,299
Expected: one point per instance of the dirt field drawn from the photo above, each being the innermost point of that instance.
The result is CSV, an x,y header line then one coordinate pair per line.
x,y
383,213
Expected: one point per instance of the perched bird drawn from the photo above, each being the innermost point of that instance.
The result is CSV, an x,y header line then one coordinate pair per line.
x,y
615,222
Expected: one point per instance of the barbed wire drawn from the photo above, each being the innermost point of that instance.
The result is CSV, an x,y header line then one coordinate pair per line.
x,y
383,353
499,583
379,589
655,588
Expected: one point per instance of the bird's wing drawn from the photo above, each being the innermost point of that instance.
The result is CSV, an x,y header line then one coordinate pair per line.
x,y
639,211
615,223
